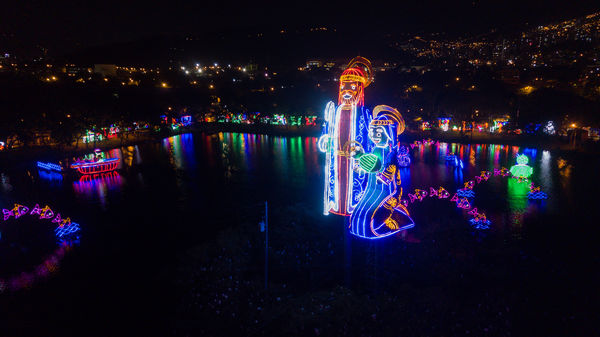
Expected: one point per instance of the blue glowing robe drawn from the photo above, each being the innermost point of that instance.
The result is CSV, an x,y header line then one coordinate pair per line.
x,y
344,184
380,213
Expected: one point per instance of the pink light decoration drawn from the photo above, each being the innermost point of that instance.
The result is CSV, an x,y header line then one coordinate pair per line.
x,y
7,213
433,192
51,263
65,222
46,213
454,198
36,210
473,212
20,210
442,193
480,217
412,197
464,203
420,194
478,179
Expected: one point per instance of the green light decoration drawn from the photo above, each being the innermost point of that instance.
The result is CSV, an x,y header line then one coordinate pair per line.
x,y
521,170
369,162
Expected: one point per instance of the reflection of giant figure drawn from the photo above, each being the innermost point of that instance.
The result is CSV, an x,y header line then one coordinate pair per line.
x,y
380,212
346,128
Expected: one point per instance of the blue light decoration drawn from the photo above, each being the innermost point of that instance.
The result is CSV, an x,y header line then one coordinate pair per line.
x,y
479,220
66,233
49,166
480,223
463,192
451,157
535,193
186,120
403,157
467,191
345,132
66,229
380,212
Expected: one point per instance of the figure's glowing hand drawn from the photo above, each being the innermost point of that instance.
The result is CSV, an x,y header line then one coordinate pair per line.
x,y
323,143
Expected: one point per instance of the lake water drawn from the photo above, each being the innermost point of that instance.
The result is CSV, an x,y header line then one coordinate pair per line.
x,y
182,192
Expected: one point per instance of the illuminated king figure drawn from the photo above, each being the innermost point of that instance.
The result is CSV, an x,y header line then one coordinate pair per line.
x,y
344,131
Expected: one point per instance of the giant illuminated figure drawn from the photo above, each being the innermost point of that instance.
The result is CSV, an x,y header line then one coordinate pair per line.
x,y
379,212
345,130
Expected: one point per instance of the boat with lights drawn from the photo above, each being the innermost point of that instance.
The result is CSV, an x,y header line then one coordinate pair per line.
x,y
98,166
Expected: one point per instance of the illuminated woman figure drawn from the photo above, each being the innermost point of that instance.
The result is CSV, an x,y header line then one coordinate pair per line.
x,y
346,128
379,212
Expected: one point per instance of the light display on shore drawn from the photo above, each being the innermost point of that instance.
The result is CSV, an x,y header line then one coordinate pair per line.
x,y
379,213
345,131
66,236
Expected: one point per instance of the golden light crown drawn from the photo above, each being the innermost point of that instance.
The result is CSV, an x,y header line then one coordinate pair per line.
x,y
393,114
353,78
381,122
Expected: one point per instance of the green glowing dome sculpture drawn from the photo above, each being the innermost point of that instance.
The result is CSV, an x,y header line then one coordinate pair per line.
x,y
521,170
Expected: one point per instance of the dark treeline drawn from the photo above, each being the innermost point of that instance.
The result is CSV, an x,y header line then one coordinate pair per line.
x,y
64,110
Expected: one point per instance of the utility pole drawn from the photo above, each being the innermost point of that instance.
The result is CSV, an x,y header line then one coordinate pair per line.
x,y
264,227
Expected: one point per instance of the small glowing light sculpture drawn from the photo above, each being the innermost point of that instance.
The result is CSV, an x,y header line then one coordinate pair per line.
x,y
403,157
549,128
480,223
379,213
450,157
521,170
536,193
345,132
444,123
65,235
49,166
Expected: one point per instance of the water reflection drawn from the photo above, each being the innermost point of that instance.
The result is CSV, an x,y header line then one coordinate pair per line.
x,y
131,156
54,178
97,186
181,151
266,165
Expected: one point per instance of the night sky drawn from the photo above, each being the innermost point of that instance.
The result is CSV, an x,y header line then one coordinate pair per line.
x,y
63,25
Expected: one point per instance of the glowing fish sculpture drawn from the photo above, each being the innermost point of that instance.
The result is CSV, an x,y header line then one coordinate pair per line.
x,y
536,193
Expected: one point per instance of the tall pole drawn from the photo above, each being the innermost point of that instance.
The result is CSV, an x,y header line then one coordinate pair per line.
x,y
266,244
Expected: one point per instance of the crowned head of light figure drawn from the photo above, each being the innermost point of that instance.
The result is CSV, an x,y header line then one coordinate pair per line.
x,y
386,126
522,159
354,80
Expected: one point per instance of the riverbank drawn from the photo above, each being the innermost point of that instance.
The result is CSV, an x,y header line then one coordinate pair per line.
x,y
57,152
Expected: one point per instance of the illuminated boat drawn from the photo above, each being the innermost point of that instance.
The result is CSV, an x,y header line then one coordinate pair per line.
x,y
94,167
